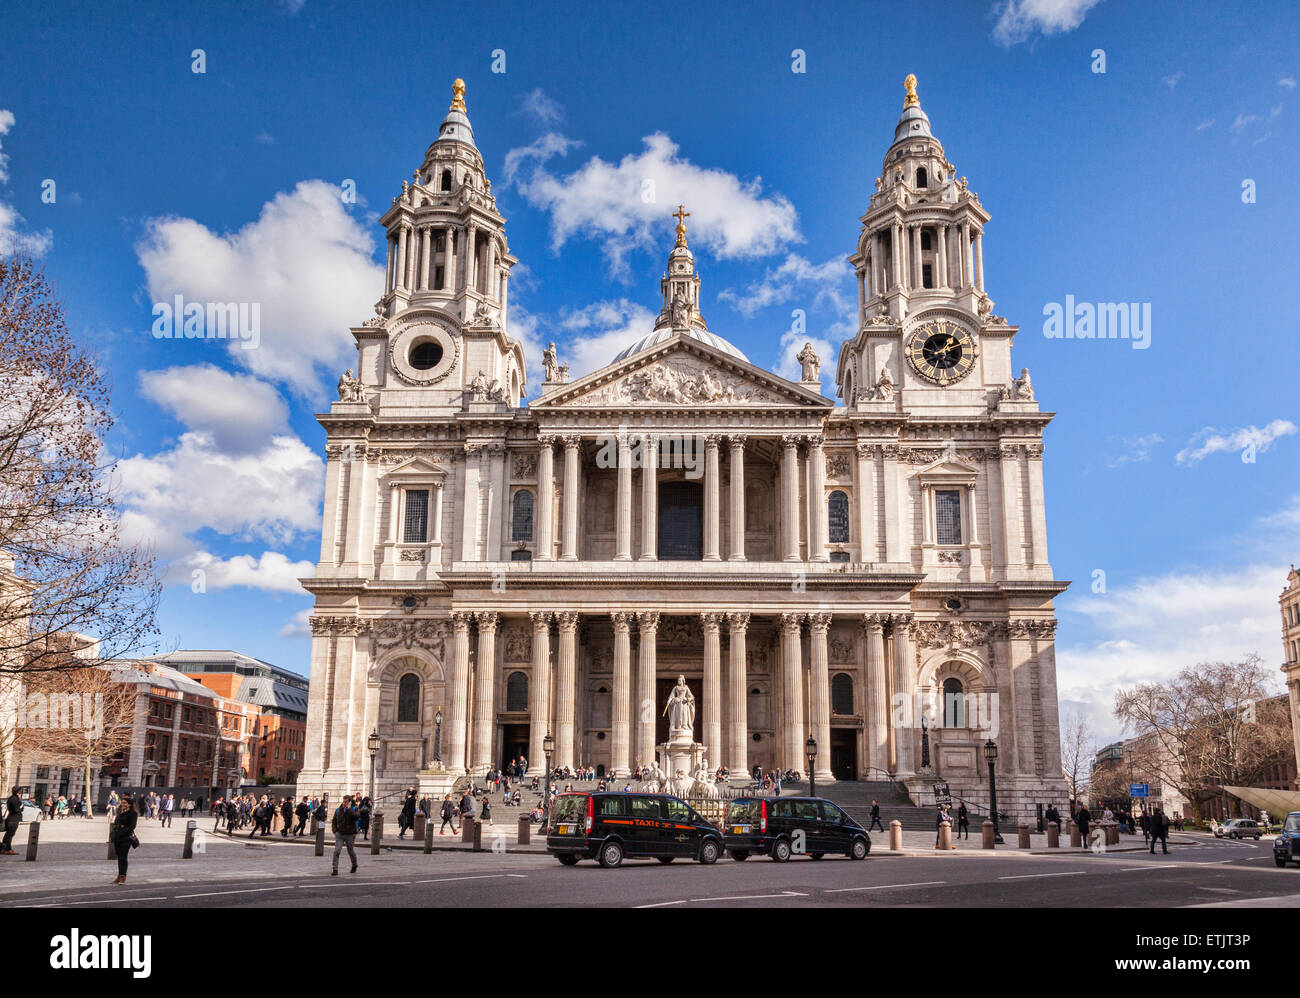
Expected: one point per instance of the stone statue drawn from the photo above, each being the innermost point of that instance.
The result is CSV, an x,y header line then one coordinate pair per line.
x,y
1022,387
550,362
350,389
564,373
679,312
680,708
478,388
884,390
810,362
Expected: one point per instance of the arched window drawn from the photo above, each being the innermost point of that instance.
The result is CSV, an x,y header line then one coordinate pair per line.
x,y
922,179
446,180
842,693
408,698
521,525
954,706
837,517
516,692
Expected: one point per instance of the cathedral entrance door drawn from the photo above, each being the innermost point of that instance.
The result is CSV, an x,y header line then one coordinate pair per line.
x,y
681,521
844,764
515,743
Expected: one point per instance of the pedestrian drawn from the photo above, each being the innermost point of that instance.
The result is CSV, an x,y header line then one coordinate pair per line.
x,y
303,811
286,816
1082,818
345,833
13,818
963,820
466,808
448,814
875,818
363,817
123,835
1160,830
168,806
485,811
406,819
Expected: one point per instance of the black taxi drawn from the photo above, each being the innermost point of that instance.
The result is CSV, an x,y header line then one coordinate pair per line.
x,y
782,827
612,826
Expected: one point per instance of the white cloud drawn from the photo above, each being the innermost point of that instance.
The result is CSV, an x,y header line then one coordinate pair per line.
x,y
1211,441
599,331
1136,450
1243,120
541,149
827,283
264,138
304,260
7,120
627,205
240,412
545,110
1208,123
1287,81
1020,20
299,626
1173,79
272,572
12,237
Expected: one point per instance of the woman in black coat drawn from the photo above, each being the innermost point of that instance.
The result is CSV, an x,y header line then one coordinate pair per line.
x,y
122,835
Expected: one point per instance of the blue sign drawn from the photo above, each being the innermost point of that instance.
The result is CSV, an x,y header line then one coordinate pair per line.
x,y
1139,790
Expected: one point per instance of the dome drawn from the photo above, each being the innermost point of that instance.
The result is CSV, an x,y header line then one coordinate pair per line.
x,y
666,334
912,123
456,127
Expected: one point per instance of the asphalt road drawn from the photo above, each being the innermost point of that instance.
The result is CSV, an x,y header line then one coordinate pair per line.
x,y
1213,873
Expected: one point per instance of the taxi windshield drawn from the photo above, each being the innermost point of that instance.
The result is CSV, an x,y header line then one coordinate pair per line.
x,y
742,812
1292,823
569,807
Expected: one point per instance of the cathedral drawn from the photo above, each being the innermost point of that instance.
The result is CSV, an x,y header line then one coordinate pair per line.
x,y
867,572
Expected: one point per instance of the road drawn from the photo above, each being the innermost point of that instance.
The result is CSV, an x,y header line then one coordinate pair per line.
x,y
1212,873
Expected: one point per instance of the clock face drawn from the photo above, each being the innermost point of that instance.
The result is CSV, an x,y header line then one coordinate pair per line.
x,y
941,351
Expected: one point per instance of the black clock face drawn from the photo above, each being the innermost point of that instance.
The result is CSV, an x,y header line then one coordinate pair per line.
x,y
941,352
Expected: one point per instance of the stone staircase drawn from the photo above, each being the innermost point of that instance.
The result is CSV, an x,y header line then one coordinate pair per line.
x,y
856,798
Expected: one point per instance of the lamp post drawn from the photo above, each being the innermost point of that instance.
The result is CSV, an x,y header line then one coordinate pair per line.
x,y
372,743
810,749
548,747
991,754
437,738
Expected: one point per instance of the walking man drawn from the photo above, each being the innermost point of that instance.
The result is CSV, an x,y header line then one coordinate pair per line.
x,y
345,833
1160,830
963,820
13,819
875,818
303,811
448,816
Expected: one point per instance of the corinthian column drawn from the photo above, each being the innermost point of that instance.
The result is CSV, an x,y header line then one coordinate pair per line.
x,y
545,497
737,758
737,498
712,732
645,689
426,242
401,258
623,524
457,712
649,500
877,708
539,691
819,692
571,445
790,494
817,499
903,689
566,681
712,511
621,762
484,687
791,689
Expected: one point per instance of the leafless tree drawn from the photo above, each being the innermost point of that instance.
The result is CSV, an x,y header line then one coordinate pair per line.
x,y
1078,748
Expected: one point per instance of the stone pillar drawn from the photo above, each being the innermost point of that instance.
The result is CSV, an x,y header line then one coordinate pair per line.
x,y
792,690
737,472
917,272
623,523
902,686
401,257
1037,504
1012,531
566,682
941,257
539,691
865,488
817,499
505,295
449,261
437,516
894,548
545,497
737,757
790,495
712,706
622,712
712,510
979,260
454,758
388,269
426,245
967,263
649,500
645,689
819,692
471,257
570,539
485,682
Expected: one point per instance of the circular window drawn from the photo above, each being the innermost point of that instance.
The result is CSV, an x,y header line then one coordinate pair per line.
x,y
409,602
953,604
757,737
425,356
600,736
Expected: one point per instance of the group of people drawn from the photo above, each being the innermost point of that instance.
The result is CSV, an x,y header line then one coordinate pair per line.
x,y
61,806
450,811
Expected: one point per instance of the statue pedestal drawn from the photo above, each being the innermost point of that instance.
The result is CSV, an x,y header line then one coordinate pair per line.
x,y
681,756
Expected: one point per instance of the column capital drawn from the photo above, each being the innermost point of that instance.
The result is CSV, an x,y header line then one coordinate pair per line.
x,y
819,622
868,450
541,618
461,619
711,619
572,441
487,620
815,439
791,440
622,620
899,621
738,622
648,620
737,440
875,621
566,620
791,621
546,439
713,440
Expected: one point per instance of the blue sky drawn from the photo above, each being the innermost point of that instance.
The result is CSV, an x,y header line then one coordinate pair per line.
x,y
1125,186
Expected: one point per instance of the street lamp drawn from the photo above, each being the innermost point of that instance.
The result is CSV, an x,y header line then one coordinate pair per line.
x,y
548,747
991,754
437,738
810,748
372,743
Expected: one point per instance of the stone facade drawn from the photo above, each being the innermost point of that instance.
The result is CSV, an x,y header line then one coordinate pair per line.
x,y
814,569
1290,605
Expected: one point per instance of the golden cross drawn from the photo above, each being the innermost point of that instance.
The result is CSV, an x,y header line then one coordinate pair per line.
x,y
681,214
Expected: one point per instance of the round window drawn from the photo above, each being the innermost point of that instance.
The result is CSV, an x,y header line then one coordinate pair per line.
x,y
425,356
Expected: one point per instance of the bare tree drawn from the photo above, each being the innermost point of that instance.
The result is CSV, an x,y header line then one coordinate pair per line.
x,y
1215,723
64,566
1078,749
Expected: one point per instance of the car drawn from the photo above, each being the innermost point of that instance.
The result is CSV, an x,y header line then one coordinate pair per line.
x,y
1286,847
781,827
1238,828
610,826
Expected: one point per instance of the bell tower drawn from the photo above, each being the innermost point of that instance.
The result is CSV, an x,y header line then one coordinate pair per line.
x,y
680,284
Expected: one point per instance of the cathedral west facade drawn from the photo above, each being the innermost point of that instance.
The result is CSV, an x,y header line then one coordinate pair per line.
x,y
869,571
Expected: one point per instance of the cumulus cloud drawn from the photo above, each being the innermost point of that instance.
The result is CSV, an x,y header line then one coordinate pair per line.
x,y
299,625
1287,81
306,262
627,205
272,572
1211,441
1021,20
14,238
1136,450
545,110
539,150
796,278
239,412
594,334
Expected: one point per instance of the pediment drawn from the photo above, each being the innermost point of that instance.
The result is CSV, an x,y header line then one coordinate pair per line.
x,y
682,373
416,469
948,469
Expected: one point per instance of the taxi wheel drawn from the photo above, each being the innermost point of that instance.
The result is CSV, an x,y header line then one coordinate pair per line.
x,y
859,849
708,852
816,855
611,855
781,851
1280,860
666,859
739,855
568,858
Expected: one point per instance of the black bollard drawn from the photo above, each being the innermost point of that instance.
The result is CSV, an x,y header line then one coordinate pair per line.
x,y
191,829
320,840
376,832
428,836
33,838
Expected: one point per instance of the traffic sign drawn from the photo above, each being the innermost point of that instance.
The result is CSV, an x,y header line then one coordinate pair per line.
x,y
1139,789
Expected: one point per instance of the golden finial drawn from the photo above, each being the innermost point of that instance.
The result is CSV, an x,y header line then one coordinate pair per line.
x,y
909,84
681,214
458,95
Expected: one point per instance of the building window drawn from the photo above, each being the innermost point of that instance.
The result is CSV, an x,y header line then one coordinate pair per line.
x,y
516,692
947,516
416,527
922,180
927,276
521,554
925,239
521,524
837,517
446,180
954,715
408,698
842,693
